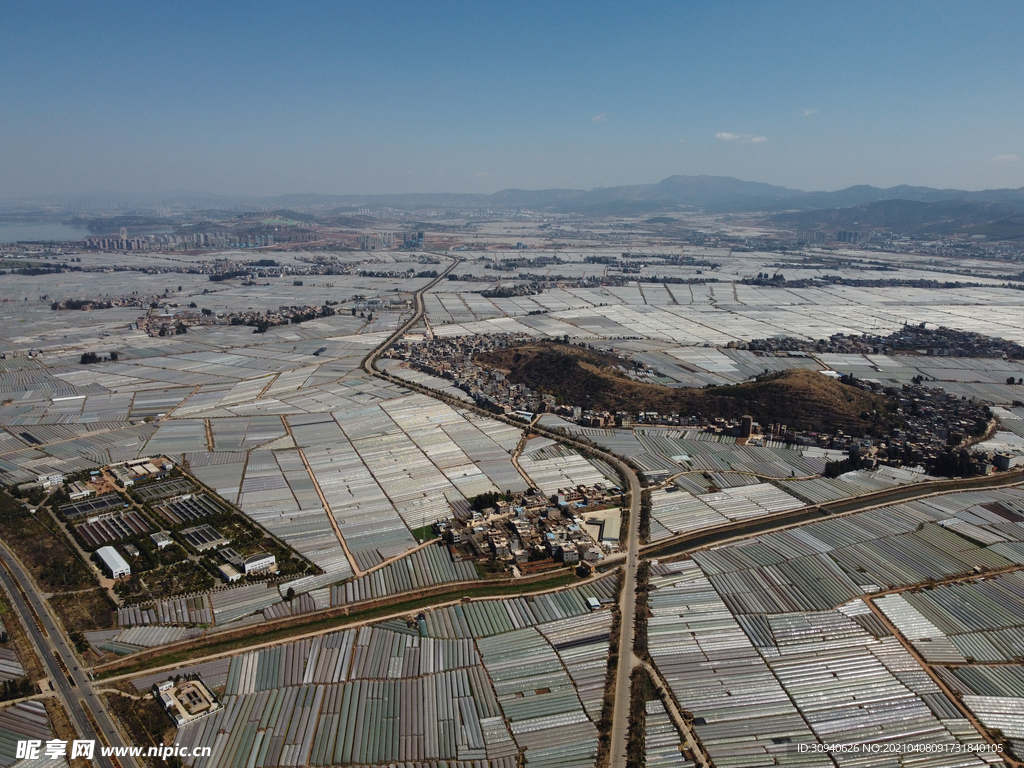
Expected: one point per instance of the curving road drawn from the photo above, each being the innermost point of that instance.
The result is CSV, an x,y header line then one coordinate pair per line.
x,y
627,660
371,359
627,602
80,700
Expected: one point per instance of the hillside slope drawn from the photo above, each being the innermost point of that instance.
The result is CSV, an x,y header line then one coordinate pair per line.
x,y
799,398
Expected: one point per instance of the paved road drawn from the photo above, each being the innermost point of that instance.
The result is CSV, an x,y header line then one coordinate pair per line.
x,y
371,359
72,696
627,603
627,627
627,660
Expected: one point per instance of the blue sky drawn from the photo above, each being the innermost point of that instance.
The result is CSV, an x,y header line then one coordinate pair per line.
x,y
351,97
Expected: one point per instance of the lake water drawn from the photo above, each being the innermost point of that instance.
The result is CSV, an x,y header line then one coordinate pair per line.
x,y
17,231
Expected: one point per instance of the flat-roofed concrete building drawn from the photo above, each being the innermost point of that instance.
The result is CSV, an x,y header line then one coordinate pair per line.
x,y
260,562
78,491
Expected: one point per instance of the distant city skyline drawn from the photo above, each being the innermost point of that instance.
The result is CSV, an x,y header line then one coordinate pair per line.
x,y
264,99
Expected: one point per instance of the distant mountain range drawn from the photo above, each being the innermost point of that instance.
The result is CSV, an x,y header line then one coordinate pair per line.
x,y
725,194
902,208
720,193
993,221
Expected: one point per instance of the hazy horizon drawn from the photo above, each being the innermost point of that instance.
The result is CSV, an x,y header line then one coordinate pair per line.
x,y
264,100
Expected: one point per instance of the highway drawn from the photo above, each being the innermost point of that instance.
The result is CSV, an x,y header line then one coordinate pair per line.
x,y
79,699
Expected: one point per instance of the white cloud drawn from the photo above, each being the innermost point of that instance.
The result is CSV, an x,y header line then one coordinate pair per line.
x,y
1004,159
599,118
682,141
808,111
742,138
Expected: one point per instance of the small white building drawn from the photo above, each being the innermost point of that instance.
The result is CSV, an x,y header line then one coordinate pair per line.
x,y
79,491
113,563
48,481
259,562
161,539
228,573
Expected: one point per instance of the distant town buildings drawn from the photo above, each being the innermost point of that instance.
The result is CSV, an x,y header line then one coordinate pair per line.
x,y
911,338
386,240
526,532
812,237
820,236
193,240
377,241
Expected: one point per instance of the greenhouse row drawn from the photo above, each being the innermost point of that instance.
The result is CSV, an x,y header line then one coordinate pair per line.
x,y
552,467
539,700
581,642
821,490
661,739
10,667
423,568
758,689
677,511
827,562
742,715
448,716
691,449
24,720
483,618
182,610
980,621
385,693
